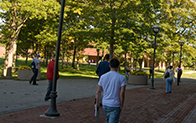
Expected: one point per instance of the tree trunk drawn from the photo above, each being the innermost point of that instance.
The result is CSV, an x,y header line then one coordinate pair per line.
x,y
97,57
45,55
47,58
9,62
131,62
111,51
67,62
78,62
112,37
26,56
140,63
63,59
102,58
73,62
125,62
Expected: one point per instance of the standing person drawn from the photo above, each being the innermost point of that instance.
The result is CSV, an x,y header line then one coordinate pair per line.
x,y
113,85
128,69
35,70
103,66
169,79
150,72
179,73
50,74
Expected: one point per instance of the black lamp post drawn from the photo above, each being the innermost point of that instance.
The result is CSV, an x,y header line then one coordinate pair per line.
x,y
181,43
52,111
155,29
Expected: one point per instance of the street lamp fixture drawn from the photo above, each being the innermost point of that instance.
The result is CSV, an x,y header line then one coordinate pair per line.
x,y
52,111
155,29
181,43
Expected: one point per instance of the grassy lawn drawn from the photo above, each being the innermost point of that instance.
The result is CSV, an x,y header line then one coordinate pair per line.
x,y
84,72
69,72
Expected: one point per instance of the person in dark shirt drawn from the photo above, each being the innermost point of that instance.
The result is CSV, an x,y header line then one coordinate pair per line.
x,y
103,66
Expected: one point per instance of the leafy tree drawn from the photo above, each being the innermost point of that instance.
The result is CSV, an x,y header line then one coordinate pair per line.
x,y
16,13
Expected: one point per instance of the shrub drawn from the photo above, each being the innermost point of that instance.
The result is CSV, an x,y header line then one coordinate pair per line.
x,y
139,72
23,67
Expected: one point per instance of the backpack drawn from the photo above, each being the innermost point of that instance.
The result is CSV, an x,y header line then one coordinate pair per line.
x,y
127,69
166,75
179,71
33,65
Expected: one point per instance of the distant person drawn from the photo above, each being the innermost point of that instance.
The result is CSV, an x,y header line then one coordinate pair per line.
x,y
113,85
179,73
89,63
35,69
103,66
50,74
169,78
127,69
150,70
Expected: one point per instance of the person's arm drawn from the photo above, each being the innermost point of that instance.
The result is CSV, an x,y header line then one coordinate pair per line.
x,y
98,95
122,96
38,66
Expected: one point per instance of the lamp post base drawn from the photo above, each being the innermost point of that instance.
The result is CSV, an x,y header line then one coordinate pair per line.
x,y
151,88
52,111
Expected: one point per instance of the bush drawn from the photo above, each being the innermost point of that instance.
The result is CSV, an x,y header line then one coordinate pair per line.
x,y
23,67
139,72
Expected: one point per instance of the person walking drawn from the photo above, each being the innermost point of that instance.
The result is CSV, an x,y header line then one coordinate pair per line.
x,y
35,70
113,85
50,74
179,73
169,78
103,66
128,69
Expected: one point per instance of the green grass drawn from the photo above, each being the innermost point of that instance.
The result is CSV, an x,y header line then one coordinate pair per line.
x,y
84,72
67,72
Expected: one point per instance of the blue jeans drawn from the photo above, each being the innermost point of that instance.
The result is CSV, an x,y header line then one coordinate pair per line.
x,y
168,85
49,89
127,75
112,114
34,77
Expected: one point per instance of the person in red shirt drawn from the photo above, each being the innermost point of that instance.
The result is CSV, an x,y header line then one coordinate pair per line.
x,y
50,74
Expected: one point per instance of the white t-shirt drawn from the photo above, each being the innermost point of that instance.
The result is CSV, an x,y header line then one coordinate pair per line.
x,y
36,62
111,82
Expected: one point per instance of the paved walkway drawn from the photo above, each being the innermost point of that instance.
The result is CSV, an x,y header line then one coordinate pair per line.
x,y
24,103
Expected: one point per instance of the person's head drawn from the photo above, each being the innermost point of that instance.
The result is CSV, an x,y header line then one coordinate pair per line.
x,y
170,67
114,64
179,66
37,55
107,57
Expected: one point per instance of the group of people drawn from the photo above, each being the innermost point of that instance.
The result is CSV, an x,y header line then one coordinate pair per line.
x,y
111,84
50,73
170,78
112,87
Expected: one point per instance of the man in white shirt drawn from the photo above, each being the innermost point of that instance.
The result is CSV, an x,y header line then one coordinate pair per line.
x,y
113,85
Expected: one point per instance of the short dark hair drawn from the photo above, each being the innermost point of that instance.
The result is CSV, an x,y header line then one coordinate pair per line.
x,y
170,67
107,56
114,63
